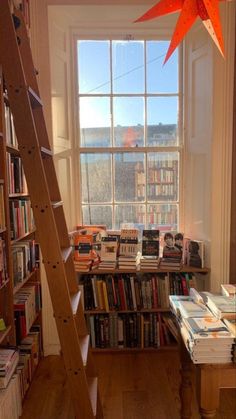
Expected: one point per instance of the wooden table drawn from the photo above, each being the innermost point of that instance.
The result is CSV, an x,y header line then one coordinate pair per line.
x,y
210,379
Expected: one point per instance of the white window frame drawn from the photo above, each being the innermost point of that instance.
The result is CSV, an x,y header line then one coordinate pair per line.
x,y
112,36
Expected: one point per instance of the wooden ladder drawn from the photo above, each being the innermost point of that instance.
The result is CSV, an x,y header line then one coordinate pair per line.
x,y
26,106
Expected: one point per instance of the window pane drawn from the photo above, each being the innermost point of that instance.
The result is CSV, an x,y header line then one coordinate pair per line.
x,y
128,121
89,53
162,176
95,122
127,166
161,78
96,214
129,214
163,217
162,119
128,66
96,177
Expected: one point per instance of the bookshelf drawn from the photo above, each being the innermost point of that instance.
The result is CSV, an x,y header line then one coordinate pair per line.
x,y
160,189
129,310
20,287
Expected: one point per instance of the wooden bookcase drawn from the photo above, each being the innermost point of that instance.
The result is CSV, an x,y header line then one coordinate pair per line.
x,y
17,238
142,325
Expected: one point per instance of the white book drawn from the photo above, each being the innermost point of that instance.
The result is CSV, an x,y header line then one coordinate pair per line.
x,y
192,309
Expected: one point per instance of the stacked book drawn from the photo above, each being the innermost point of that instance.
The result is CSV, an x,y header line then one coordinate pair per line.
x,y
207,339
231,326
85,257
172,257
109,248
221,305
150,250
149,262
8,361
129,262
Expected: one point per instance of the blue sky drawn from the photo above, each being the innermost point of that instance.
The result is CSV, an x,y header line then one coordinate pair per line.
x,y
128,69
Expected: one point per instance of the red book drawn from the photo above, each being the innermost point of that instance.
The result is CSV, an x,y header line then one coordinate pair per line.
x,y
122,293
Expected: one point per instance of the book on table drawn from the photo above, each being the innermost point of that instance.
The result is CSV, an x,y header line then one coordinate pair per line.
x,y
229,290
221,305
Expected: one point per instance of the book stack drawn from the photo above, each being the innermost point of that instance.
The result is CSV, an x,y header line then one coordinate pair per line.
x,y
150,250
8,361
207,340
192,305
229,290
129,262
149,263
129,242
221,305
231,326
172,257
109,248
84,255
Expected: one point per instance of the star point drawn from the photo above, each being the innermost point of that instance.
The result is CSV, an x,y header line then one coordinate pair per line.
x,y
190,10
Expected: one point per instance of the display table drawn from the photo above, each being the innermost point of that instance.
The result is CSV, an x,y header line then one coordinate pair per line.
x,y
210,378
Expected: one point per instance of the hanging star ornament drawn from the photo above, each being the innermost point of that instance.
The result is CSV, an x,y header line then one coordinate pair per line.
x,y
207,10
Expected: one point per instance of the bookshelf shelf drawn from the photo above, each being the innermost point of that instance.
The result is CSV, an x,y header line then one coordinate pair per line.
x,y
23,237
13,150
127,350
2,230
19,195
142,310
21,284
184,269
4,334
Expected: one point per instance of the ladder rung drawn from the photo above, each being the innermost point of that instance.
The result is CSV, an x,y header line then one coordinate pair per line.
x,y
84,348
93,392
56,204
46,151
75,299
66,252
34,99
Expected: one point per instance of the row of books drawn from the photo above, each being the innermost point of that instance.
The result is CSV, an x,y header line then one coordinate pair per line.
x,y
207,325
25,255
16,177
129,330
132,292
27,303
125,248
17,366
21,218
2,208
3,263
11,139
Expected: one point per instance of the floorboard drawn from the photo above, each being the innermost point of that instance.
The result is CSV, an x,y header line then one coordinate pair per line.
x,y
132,386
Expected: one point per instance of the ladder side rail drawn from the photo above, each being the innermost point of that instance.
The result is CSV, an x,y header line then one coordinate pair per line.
x,y
31,157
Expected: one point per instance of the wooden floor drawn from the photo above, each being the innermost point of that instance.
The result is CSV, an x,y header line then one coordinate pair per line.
x,y
132,386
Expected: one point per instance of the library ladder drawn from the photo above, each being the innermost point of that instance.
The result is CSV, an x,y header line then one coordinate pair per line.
x,y
26,107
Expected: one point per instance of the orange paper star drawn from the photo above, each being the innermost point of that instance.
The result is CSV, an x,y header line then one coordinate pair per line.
x,y
207,10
